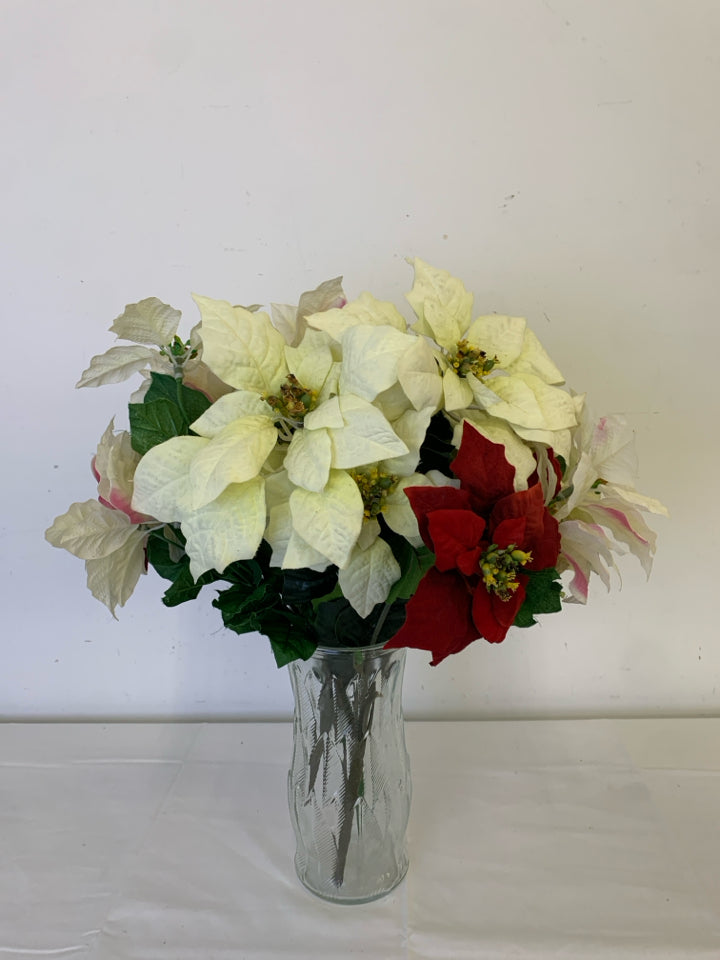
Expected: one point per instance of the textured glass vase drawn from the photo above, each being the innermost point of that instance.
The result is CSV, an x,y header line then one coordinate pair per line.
x,y
349,783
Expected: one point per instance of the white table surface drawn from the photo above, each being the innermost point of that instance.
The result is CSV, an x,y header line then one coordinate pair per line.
x,y
528,839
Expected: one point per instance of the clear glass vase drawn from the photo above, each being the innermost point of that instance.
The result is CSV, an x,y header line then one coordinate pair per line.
x,y
349,783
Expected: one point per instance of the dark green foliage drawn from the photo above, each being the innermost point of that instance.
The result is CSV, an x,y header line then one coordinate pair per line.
x,y
437,449
542,595
167,410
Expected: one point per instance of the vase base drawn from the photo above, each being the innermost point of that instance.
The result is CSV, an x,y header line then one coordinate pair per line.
x,y
337,895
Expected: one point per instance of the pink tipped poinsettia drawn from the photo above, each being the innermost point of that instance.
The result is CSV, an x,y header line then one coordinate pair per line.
x,y
487,538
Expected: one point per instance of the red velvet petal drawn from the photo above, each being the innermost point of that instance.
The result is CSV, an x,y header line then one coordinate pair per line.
x,y
546,550
510,531
438,616
482,468
453,533
525,503
424,500
493,617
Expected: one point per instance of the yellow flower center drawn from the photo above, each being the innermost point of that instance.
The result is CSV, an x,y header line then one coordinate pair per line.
x,y
374,486
499,567
468,359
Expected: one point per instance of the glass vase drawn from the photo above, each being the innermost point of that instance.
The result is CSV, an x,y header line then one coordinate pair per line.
x,y
349,783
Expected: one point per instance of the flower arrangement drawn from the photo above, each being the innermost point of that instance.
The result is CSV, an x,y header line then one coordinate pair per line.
x,y
350,479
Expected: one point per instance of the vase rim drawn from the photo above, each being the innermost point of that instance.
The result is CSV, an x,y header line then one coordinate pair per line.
x,y
374,649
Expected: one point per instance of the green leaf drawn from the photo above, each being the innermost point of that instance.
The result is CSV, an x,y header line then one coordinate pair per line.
x,y
542,595
154,423
160,555
304,585
167,411
414,564
165,387
338,625
291,637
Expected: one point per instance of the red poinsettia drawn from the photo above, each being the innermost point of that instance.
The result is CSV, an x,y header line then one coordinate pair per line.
x,y
485,537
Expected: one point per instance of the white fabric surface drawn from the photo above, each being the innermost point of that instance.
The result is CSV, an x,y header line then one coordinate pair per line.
x,y
548,839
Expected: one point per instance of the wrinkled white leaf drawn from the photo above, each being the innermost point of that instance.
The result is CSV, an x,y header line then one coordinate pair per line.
x,y
499,336
438,287
527,401
457,391
328,295
327,414
419,375
311,360
308,459
366,437
234,455
329,521
445,328
411,428
284,319
115,365
90,530
162,479
370,359
112,579
149,321
233,406
241,347
368,576
228,529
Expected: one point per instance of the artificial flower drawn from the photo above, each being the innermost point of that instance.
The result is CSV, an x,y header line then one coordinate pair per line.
x,y
486,537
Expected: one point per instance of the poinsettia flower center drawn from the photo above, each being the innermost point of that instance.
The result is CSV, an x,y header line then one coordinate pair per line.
x,y
293,402
468,359
374,486
499,568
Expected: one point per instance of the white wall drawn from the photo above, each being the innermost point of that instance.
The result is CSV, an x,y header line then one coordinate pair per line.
x,y
561,157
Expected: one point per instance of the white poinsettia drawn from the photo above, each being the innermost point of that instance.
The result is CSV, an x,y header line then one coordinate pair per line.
x,y
291,321
286,398
107,533
495,363
602,515
152,328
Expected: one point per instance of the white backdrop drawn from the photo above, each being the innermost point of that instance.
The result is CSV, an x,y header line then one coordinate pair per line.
x,y
561,157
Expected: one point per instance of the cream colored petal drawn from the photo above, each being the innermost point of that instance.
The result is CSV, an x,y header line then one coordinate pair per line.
x,y
445,328
366,437
235,455
438,287
308,459
233,406
368,576
529,402
311,360
112,579
90,530
419,375
499,336
370,359
149,321
456,390
411,427
115,365
284,319
329,521
162,485
534,359
327,414
228,529
242,347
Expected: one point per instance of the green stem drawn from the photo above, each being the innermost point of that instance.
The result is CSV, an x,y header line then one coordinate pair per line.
x,y
381,620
